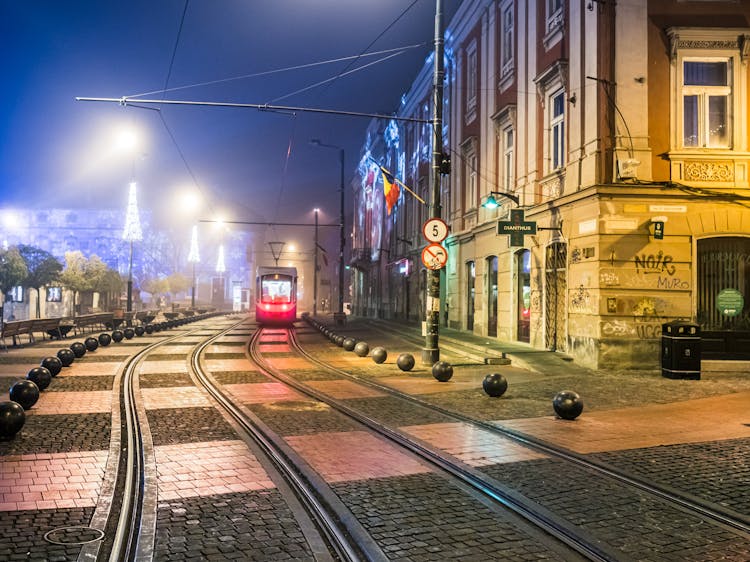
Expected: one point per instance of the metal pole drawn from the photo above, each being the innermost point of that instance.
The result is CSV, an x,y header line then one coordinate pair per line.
x,y
431,351
130,279
315,267
342,242
192,298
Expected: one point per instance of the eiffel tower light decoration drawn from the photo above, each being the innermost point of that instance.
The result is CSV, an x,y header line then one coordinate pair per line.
x,y
131,234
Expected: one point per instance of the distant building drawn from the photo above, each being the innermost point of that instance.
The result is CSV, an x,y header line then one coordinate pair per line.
x,y
160,253
621,129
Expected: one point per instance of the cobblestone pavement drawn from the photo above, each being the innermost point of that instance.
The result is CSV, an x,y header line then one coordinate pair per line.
x,y
216,502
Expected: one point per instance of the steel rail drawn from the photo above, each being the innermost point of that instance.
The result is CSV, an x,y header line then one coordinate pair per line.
x,y
323,515
695,505
127,544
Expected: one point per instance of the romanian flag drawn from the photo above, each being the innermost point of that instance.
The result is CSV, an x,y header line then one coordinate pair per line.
x,y
390,189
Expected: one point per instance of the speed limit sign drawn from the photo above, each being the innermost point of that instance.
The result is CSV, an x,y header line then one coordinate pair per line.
x,y
435,230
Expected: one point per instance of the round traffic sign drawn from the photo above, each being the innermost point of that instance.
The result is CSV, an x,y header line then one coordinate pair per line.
x,y
435,230
434,256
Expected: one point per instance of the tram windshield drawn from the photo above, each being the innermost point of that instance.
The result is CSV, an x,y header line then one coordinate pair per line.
x,y
276,289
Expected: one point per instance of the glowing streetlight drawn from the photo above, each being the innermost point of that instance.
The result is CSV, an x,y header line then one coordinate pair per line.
x,y
340,316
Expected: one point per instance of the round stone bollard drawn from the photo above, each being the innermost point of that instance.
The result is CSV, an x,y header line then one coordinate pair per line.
x,y
66,357
567,404
379,355
361,349
495,384
105,339
12,418
139,331
129,333
442,371
117,336
40,377
349,343
339,340
405,361
92,344
149,329
53,365
26,393
78,349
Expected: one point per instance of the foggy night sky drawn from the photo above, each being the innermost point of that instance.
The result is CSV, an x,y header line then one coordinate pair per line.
x,y
58,152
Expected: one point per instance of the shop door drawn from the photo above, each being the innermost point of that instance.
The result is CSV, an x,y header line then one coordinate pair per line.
x,y
492,296
555,291
523,295
723,291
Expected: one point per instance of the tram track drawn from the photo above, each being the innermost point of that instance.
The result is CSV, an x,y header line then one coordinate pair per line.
x,y
128,532
566,532
730,518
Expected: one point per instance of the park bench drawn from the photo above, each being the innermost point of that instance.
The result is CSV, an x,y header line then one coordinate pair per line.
x,y
14,329
47,326
103,320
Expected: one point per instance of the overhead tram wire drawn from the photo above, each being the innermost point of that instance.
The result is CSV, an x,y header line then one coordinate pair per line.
x,y
278,70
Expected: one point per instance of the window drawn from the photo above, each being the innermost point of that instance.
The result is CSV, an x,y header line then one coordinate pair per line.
x,y
506,39
54,294
471,180
471,80
508,162
554,14
557,131
706,103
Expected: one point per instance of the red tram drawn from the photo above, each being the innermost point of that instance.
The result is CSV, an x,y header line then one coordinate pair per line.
x,y
276,295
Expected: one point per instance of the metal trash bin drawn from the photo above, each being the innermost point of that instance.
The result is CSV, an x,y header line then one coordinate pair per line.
x,y
680,350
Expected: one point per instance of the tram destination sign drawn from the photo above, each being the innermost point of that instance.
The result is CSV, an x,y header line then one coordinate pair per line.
x,y
516,227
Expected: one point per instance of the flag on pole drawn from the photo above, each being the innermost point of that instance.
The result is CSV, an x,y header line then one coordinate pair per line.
x,y
390,189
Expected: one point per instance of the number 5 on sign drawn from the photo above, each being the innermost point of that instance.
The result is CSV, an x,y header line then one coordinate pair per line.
x,y
434,256
435,230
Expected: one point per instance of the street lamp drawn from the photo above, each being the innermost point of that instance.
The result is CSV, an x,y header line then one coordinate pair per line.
x,y
132,233
339,316
491,202
315,267
193,257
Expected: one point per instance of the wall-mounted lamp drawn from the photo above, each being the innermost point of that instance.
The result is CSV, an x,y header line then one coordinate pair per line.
x,y
491,202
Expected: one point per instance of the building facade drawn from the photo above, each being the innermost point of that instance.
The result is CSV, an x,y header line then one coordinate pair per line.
x,y
619,131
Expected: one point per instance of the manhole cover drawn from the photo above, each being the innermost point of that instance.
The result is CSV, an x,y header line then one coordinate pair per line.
x,y
73,535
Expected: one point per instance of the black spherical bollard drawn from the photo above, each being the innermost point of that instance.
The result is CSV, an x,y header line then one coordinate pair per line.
x,y
339,341
66,357
567,404
405,361
105,339
495,384
91,343
117,336
379,355
26,393
129,333
139,330
53,365
361,348
40,377
12,418
349,344
442,371
149,329
78,349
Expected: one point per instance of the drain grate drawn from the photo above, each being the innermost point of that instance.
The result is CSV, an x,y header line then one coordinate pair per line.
x,y
73,535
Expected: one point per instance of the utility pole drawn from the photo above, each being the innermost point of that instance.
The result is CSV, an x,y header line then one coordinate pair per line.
x,y
431,351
